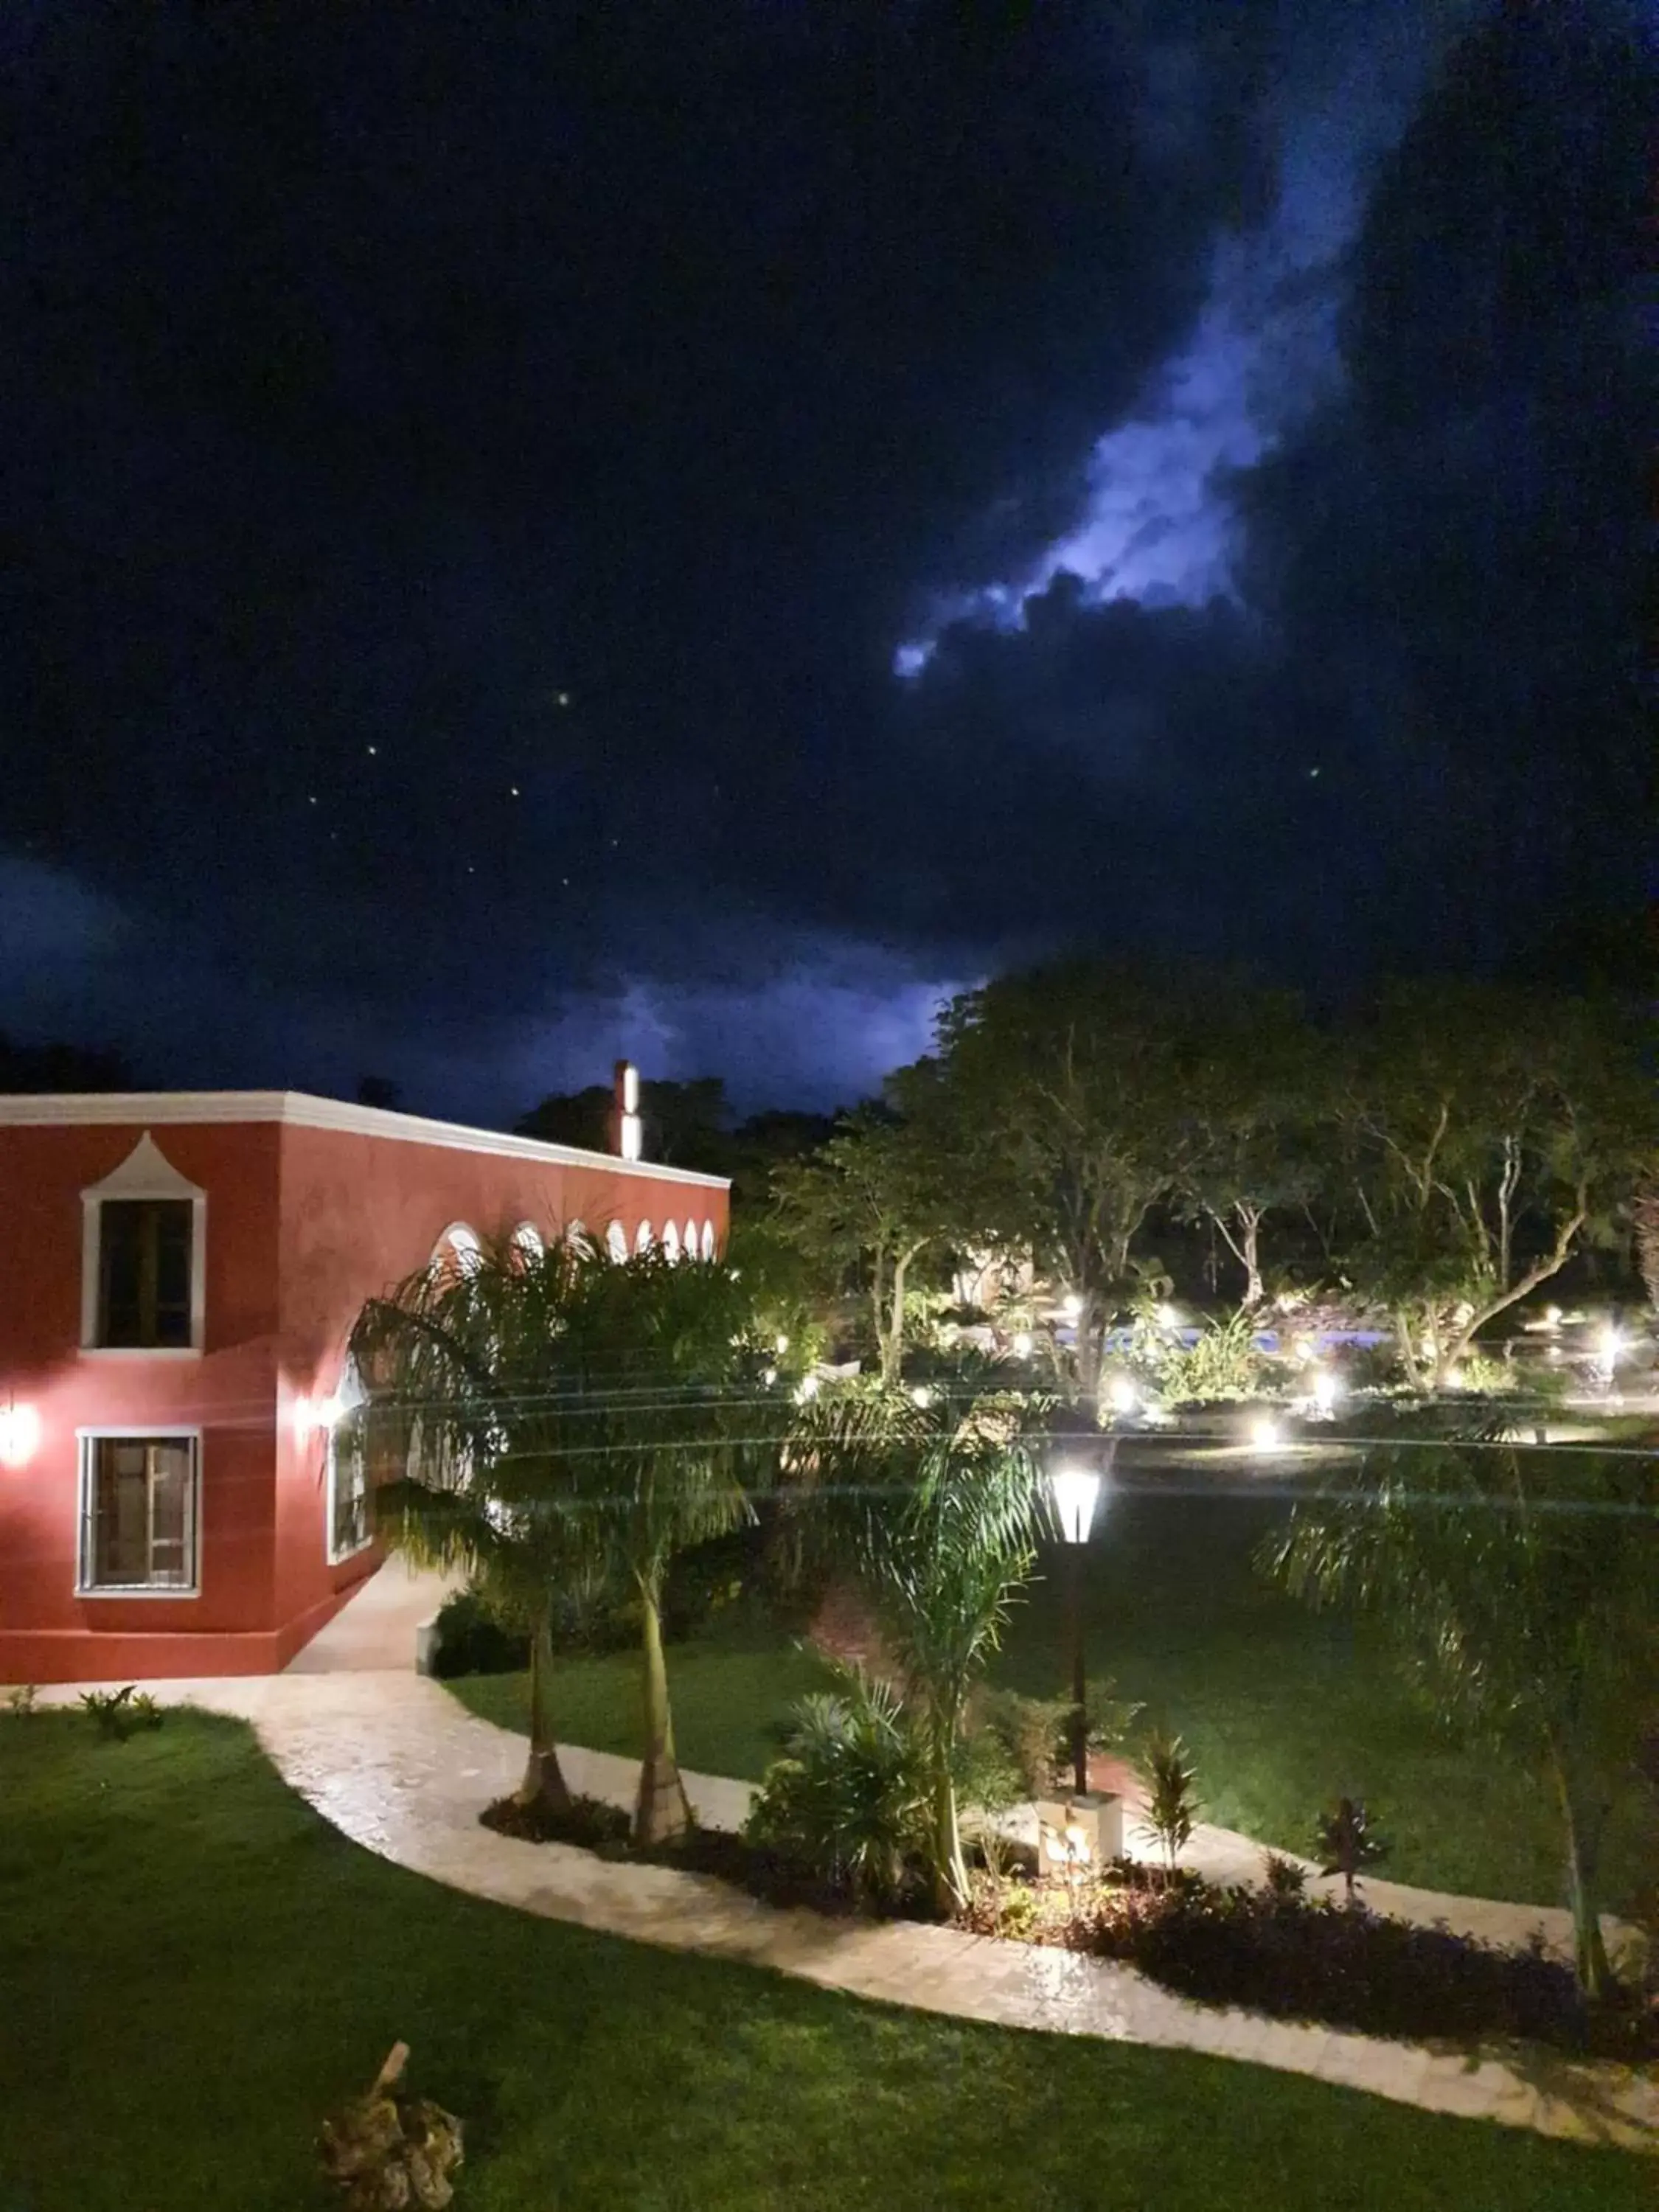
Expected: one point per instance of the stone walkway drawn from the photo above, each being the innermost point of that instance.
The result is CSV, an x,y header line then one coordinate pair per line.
x,y
398,1765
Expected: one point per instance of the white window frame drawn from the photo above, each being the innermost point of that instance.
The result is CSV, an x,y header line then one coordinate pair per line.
x,y
708,1244
349,1397
461,1243
148,1177
87,1442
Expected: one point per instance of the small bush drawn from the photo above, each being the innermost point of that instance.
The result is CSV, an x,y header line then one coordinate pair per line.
x,y
1284,1877
472,1639
20,1702
1172,1806
850,1798
119,1714
1347,1844
1314,1959
1224,1363
1036,1733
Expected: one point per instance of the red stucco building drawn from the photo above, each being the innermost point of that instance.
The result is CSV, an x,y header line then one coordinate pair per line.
x,y
182,1270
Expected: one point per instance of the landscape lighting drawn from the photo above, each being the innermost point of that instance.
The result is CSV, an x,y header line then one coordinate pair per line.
x,y
1266,1434
1122,1394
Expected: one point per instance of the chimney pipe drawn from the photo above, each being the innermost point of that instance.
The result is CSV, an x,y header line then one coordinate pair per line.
x,y
625,1114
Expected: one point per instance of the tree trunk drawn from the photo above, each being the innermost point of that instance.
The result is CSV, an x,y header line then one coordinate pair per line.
x,y
1584,1824
1091,1328
1407,1342
892,1333
950,1866
543,1780
661,1810
1250,1238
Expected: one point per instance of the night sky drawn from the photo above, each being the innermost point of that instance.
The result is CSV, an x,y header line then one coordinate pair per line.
x,y
533,532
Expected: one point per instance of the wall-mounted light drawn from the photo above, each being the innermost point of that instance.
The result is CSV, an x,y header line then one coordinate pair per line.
x,y
20,1434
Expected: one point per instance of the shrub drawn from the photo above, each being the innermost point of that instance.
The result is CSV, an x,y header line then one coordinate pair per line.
x,y
1225,1362
850,1797
1314,1959
1036,1733
473,1639
1284,1877
20,1702
1032,1733
1347,1842
1171,1804
119,1714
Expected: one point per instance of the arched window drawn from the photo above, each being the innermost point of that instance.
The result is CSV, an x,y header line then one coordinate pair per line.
x,y
688,1241
349,1525
577,1239
642,1238
671,1242
526,1242
457,1253
708,1240
616,1241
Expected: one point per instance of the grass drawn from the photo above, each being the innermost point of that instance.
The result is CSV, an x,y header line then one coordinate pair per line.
x,y
731,1690
196,1968
1283,1711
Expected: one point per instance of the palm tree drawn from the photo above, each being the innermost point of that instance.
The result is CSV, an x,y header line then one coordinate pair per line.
x,y
1519,1589
938,1506
668,1432
464,1372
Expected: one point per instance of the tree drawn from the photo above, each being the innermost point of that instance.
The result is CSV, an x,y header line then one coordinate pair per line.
x,y
873,1202
464,1372
1518,1587
938,1508
1493,1133
1253,1108
1070,1086
669,1433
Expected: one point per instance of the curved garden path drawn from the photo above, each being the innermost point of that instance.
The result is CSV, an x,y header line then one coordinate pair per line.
x,y
395,1763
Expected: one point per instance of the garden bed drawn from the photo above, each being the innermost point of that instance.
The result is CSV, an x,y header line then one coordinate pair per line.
x,y
775,1877
1292,1957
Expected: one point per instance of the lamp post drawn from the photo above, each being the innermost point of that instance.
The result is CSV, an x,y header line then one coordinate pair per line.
x,y
1075,1491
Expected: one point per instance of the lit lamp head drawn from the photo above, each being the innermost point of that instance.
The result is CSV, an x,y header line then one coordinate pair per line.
x,y
1122,1394
1072,1306
1075,1491
1327,1390
1608,1344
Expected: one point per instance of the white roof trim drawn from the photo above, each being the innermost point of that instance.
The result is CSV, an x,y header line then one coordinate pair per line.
x,y
299,1109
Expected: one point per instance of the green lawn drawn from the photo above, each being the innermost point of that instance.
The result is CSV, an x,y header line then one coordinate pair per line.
x,y
195,1967
1283,1710
731,1692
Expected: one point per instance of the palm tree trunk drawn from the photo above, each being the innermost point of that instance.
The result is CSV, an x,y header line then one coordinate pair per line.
x,y
543,1780
950,1889
661,1810
1583,1825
